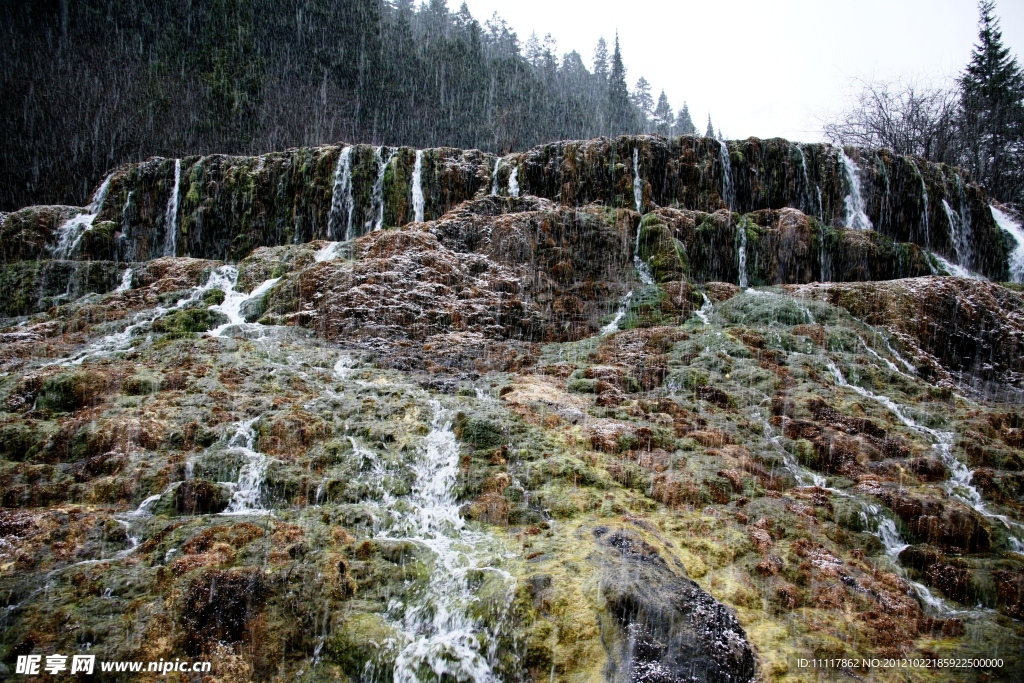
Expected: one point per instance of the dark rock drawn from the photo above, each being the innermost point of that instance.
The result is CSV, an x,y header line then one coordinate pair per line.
x,y
669,628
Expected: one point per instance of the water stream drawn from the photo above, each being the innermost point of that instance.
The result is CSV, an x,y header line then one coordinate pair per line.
x,y
341,197
417,187
171,214
855,216
1005,222
513,182
69,234
247,496
494,176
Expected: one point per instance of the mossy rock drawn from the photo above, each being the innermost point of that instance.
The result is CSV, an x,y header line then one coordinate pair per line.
x,y
358,642
186,323
139,385
66,392
478,433
214,297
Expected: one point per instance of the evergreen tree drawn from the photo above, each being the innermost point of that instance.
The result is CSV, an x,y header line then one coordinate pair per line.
x,y
601,61
684,124
664,119
620,110
710,132
992,92
641,97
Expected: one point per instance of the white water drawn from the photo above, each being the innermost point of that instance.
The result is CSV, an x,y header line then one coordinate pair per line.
x,y
246,498
513,182
705,310
69,234
961,240
728,193
343,367
743,255
225,278
375,221
924,196
329,252
613,326
171,214
341,196
417,187
126,281
494,176
1005,222
856,218
954,269
959,483
437,630
638,184
144,509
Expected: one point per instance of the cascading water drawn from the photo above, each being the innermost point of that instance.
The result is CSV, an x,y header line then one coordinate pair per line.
x,y
329,252
417,187
69,234
440,638
742,255
642,269
613,326
958,235
126,281
225,279
924,199
376,219
494,177
1005,222
855,216
247,496
513,182
638,184
810,206
959,484
341,197
705,310
728,192
171,214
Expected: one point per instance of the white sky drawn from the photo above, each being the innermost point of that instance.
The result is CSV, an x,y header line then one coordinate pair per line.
x,y
764,67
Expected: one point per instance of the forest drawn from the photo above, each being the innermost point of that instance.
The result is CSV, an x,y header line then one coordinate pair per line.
x,y
90,85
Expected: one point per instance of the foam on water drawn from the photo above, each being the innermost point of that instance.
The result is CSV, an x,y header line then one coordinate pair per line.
x,y
1005,222
417,187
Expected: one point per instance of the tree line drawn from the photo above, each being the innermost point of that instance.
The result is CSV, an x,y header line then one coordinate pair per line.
x,y
977,122
91,84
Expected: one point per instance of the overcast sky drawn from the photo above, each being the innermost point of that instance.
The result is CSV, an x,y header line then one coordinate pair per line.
x,y
764,67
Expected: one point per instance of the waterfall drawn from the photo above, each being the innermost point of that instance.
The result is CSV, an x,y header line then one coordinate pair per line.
x,y
924,198
705,310
246,499
417,187
1005,222
959,484
728,193
69,234
743,255
642,269
494,177
225,279
171,214
376,219
961,242
440,633
855,217
329,252
341,196
126,281
809,206
613,326
638,185
513,182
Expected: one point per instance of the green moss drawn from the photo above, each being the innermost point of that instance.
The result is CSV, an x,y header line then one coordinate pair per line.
x,y
186,323
214,297
477,433
64,393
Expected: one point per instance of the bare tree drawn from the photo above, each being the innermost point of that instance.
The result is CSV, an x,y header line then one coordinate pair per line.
x,y
904,116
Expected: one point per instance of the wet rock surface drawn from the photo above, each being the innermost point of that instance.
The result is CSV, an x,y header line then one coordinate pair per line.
x,y
543,434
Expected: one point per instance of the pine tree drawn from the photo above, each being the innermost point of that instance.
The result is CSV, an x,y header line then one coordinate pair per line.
x,y
684,124
710,132
992,105
620,110
601,60
641,97
664,120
